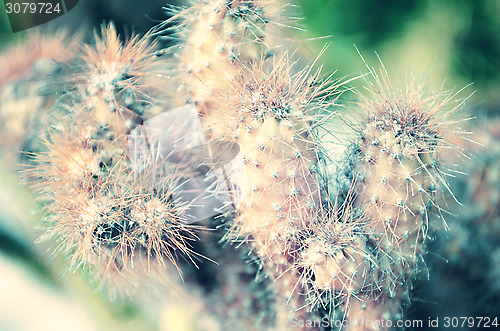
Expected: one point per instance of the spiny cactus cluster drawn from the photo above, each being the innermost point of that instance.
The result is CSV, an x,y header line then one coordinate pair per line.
x,y
395,171
345,243
104,214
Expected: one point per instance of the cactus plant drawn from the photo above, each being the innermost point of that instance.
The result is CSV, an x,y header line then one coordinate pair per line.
x,y
103,214
346,244
392,173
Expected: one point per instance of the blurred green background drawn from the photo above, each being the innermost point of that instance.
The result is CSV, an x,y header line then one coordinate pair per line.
x,y
456,40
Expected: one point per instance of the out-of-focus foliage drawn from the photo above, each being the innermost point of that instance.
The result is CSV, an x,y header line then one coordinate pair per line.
x,y
454,39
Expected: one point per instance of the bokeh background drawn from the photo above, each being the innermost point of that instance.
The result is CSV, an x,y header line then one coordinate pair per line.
x,y
453,43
